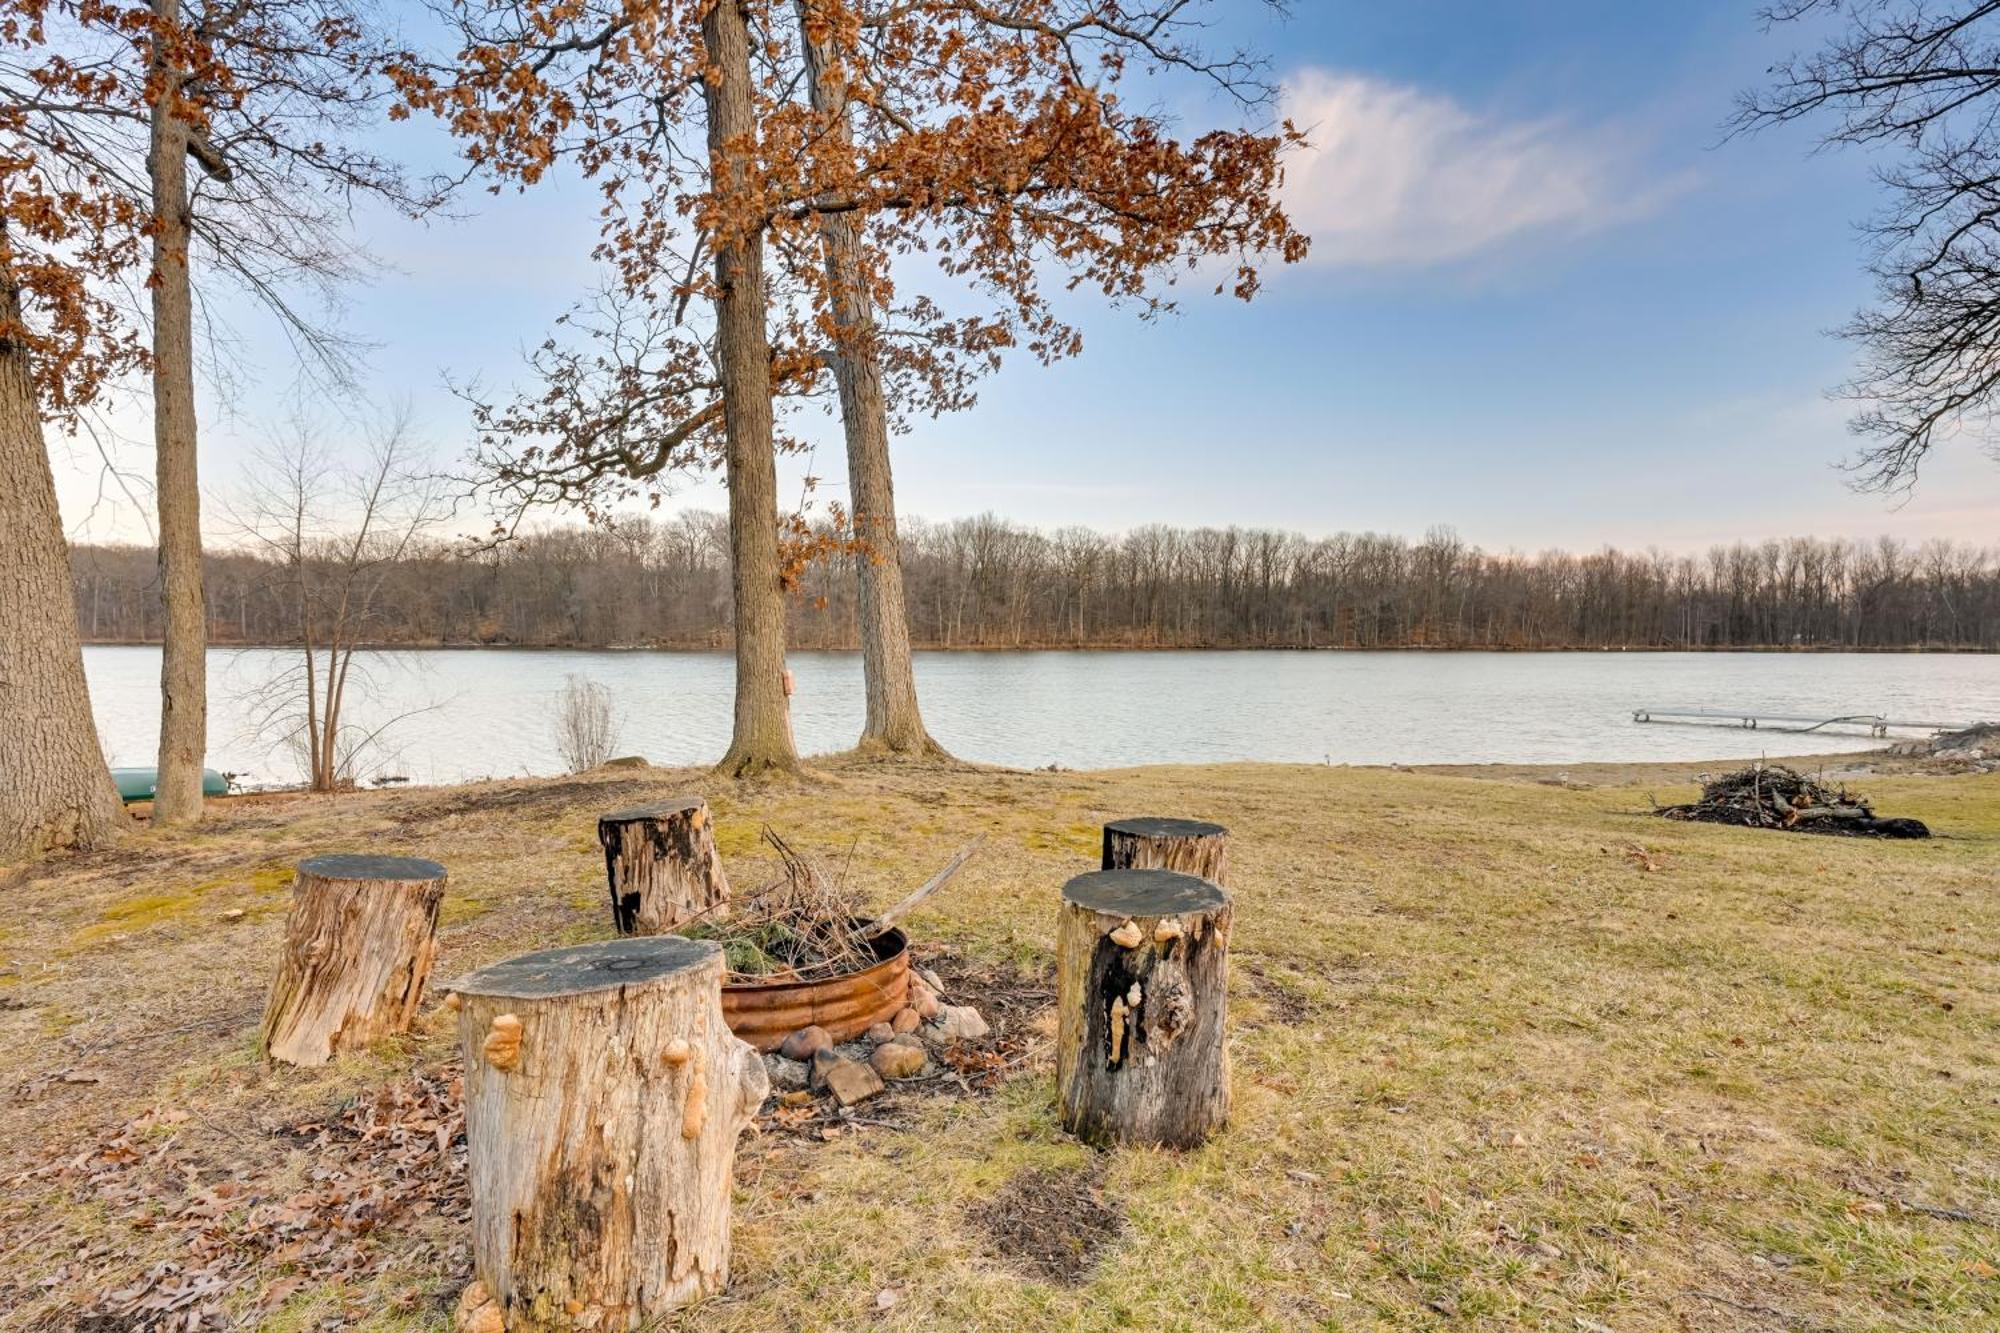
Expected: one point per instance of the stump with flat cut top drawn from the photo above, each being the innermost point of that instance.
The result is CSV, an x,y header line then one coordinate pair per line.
x,y
662,866
360,941
1142,979
603,1098
1191,846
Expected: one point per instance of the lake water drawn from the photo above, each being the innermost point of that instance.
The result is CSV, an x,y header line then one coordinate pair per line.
x,y
487,712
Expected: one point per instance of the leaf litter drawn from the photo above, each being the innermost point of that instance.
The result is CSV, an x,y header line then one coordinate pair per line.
x,y
365,1174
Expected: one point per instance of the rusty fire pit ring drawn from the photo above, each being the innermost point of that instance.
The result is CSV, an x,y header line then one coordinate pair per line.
x,y
764,1013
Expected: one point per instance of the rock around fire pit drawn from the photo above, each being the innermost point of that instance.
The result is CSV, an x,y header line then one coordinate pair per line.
x,y
814,1059
1775,797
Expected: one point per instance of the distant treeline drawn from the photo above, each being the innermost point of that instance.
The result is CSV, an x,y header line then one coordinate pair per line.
x,y
988,583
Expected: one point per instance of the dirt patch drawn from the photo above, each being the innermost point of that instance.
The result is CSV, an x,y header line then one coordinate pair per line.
x,y
1011,998
523,800
1050,1222
1287,1005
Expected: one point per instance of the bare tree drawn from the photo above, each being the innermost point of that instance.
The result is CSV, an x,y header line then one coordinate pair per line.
x,y
271,101
1919,80
586,724
183,748
336,538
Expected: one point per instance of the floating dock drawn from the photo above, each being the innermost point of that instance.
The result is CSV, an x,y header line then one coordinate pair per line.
x,y
1755,720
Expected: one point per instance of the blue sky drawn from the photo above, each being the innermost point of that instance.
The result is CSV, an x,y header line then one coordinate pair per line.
x,y
1548,306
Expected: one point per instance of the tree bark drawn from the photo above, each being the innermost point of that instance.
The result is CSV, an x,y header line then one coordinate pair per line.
x,y
662,866
177,797
1189,846
360,942
603,1099
1142,975
762,738
892,722
55,791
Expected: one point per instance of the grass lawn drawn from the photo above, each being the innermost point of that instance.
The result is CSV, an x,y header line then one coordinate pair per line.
x,y
1506,1053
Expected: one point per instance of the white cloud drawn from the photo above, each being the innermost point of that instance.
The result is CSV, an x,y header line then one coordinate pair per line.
x,y
1396,176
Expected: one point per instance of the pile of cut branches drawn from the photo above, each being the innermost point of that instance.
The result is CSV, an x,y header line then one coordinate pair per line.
x,y
1773,796
808,924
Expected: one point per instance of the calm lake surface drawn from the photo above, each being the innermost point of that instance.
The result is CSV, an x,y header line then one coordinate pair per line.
x,y
487,712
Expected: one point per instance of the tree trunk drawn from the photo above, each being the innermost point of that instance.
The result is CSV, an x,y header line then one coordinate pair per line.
x,y
762,739
662,866
361,938
55,791
1142,976
184,640
603,1099
893,721
1188,845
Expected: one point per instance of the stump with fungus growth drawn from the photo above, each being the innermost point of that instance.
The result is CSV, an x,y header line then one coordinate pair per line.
x,y
358,946
1190,846
603,1099
662,866
1142,976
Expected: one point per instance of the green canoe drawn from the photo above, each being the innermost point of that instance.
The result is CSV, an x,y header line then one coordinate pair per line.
x,y
136,784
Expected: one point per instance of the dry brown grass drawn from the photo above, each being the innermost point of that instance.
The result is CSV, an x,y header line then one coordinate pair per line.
x,y
1505,1053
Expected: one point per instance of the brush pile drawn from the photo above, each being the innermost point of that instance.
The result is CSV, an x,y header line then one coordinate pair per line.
x,y
808,924
805,925
1775,797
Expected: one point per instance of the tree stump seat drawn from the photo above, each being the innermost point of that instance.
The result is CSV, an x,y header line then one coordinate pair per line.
x,y
359,943
1142,975
662,866
1191,846
603,1099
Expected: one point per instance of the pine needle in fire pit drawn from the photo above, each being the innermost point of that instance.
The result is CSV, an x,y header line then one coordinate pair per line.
x,y
1775,797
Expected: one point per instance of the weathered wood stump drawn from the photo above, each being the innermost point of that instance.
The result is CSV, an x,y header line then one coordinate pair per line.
x,y
1142,978
361,939
1190,846
662,866
603,1098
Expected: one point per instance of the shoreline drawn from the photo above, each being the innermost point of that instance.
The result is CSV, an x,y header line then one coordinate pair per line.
x,y
1882,761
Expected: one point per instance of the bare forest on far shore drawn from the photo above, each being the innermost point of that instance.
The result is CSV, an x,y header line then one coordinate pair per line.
x,y
988,583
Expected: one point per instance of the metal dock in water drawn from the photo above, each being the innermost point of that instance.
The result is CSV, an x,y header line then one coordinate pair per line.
x,y
1756,720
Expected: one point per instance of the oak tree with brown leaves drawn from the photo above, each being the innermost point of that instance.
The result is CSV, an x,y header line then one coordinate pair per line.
x,y
270,100
985,144
63,242
115,98
863,107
